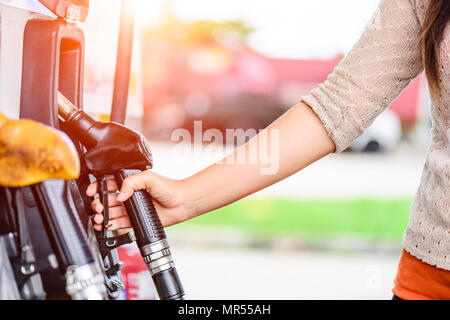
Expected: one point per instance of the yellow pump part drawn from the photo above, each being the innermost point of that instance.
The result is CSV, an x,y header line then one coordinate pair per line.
x,y
31,152
3,119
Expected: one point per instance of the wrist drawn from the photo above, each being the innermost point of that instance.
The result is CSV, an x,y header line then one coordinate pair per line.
x,y
191,198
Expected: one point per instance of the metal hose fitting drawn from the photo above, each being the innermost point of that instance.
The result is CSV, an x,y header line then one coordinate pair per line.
x,y
85,283
65,107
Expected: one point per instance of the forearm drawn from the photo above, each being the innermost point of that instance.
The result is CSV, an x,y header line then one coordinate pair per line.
x,y
294,141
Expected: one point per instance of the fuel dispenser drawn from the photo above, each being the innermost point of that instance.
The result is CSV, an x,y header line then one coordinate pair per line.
x,y
43,65
42,54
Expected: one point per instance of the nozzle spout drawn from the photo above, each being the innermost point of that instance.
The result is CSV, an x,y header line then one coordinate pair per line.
x,y
65,107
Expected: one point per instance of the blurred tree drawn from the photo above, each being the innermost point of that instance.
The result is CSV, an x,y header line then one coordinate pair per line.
x,y
172,28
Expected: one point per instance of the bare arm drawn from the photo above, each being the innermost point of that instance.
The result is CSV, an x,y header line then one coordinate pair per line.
x,y
295,140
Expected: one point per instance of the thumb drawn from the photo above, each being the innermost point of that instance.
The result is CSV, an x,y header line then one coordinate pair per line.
x,y
131,184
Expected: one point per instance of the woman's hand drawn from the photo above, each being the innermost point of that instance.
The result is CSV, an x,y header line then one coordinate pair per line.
x,y
168,197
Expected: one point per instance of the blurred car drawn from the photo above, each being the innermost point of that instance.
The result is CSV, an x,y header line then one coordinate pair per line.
x,y
231,87
382,135
225,88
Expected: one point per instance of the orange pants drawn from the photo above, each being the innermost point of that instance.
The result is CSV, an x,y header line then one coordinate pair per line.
x,y
417,280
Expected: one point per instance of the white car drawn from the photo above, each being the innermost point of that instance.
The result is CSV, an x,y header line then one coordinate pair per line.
x,y
382,135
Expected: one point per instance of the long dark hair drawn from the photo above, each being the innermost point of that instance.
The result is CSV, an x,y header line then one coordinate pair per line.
x,y
437,16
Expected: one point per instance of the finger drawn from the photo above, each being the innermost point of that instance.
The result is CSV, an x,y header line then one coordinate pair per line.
x,y
117,212
98,227
112,200
124,230
111,184
97,206
114,213
131,184
119,223
92,189
98,218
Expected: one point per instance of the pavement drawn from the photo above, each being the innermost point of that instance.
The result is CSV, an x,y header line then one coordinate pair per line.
x,y
238,273
221,265
231,273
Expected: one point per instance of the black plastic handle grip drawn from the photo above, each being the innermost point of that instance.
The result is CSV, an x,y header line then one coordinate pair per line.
x,y
142,213
150,234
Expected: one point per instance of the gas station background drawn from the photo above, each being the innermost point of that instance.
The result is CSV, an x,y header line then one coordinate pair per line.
x,y
241,64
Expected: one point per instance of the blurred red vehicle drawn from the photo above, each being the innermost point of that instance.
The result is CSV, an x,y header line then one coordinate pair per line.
x,y
231,87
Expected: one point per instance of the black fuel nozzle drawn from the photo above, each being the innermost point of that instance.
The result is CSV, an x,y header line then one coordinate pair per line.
x,y
110,146
152,241
115,149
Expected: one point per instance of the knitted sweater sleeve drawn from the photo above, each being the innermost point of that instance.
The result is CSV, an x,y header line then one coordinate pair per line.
x,y
378,67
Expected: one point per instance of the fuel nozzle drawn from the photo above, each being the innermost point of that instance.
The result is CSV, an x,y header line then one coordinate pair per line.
x,y
110,146
115,149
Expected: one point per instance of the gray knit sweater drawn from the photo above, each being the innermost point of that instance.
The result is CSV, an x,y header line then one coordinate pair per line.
x,y
379,66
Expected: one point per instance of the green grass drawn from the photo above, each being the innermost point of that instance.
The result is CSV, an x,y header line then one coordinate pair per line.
x,y
371,219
